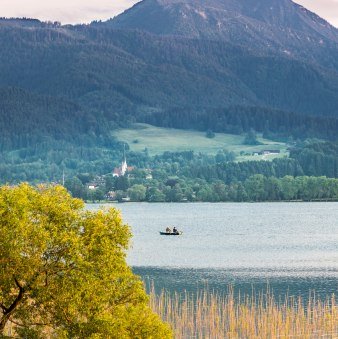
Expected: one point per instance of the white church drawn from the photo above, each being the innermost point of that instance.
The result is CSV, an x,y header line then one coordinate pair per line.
x,y
123,169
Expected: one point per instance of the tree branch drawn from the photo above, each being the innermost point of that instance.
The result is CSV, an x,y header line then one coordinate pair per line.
x,y
16,323
4,309
28,324
8,312
18,284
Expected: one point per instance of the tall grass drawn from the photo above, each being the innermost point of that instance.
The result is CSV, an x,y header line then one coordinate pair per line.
x,y
213,315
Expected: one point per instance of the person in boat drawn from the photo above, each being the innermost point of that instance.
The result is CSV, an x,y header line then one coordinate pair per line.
x,y
168,230
175,231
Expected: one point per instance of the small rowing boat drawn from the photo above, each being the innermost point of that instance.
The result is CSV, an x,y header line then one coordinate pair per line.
x,y
171,233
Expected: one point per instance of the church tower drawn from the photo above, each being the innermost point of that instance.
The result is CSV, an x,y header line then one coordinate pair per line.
x,y
123,169
124,166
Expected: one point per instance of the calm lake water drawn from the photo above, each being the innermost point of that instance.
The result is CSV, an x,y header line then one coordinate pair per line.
x,y
292,246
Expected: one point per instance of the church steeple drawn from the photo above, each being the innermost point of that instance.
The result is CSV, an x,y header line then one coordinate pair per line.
x,y
123,169
124,166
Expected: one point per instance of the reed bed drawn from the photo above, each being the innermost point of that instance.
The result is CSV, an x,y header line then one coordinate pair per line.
x,y
213,315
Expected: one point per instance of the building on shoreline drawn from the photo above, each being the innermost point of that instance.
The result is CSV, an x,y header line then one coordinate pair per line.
x,y
123,169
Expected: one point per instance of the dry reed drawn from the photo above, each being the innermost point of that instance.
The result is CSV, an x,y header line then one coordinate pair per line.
x,y
213,315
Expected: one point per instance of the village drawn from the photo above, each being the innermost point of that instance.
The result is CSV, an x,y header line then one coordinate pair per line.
x,y
118,179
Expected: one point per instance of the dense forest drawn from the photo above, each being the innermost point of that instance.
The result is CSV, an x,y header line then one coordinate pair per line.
x,y
274,124
28,119
318,158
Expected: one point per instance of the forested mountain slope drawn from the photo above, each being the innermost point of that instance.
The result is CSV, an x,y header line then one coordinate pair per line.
x,y
226,65
195,54
27,119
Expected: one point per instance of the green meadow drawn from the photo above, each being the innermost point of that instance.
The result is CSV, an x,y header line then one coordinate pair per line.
x,y
158,140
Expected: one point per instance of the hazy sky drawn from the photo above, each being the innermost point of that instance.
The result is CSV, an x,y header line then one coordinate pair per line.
x,y
83,11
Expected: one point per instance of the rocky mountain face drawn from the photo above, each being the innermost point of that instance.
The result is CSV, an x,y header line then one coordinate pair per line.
x,y
265,25
219,17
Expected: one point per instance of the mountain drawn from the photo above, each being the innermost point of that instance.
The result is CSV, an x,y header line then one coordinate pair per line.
x,y
224,18
226,65
266,53
274,25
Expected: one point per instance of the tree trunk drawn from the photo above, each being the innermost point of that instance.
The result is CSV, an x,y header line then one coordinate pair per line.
x,y
7,312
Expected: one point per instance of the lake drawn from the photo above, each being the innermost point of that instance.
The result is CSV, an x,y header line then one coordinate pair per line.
x,y
292,246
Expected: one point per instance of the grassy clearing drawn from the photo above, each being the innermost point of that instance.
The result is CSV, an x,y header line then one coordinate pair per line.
x,y
158,140
209,315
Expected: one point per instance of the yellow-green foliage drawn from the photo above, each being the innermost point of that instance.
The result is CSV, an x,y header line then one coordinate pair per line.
x,y
63,271
210,315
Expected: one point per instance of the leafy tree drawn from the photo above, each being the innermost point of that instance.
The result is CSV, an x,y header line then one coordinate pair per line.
x,y
98,194
255,187
109,182
251,138
75,186
155,195
172,182
207,194
210,134
122,183
120,195
63,270
85,177
174,194
289,188
137,193
273,189
224,156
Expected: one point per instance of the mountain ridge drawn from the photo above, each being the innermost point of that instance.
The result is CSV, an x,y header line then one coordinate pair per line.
x,y
277,12
119,73
277,26
64,89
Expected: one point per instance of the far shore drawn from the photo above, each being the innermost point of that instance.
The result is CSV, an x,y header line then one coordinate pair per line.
x,y
107,202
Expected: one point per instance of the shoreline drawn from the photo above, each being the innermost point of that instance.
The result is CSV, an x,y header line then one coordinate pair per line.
x,y
106,202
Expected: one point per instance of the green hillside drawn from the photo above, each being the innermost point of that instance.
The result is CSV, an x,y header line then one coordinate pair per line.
x,y
228,83
158,140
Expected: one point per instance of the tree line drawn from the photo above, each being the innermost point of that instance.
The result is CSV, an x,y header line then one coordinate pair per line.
x,y
274,124
187,176
256,188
